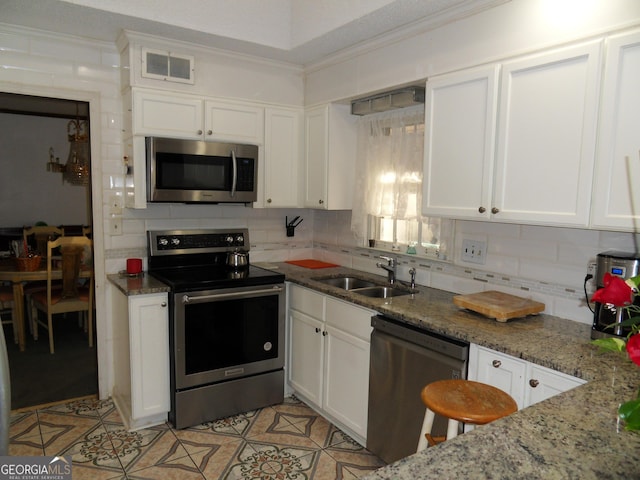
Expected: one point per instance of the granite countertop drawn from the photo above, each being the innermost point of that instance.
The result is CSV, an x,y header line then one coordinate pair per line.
x,y
142,284
573,435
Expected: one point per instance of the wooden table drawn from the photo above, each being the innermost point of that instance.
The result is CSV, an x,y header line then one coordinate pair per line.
x,y
9,273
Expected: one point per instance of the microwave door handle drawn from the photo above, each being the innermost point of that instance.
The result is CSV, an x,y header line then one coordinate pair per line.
x,y
234,174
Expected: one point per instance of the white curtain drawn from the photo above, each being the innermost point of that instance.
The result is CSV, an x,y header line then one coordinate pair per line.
x,y
388,167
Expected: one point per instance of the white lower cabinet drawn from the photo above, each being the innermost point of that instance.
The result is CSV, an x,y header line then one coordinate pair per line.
x,y
526,382
329,357
141,361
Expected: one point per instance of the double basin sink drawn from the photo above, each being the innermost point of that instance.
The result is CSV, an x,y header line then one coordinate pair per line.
x,y
364,287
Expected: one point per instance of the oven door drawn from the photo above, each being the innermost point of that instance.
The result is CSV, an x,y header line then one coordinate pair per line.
x,y
228,333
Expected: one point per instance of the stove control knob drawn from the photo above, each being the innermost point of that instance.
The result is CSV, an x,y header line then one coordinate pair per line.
x,y
175,241
240,239
229,239
163,242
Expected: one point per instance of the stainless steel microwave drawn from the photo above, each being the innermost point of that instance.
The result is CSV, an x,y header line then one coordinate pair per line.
x,y
192,171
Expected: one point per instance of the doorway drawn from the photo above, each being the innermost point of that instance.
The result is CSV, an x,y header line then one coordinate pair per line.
x,y
36,137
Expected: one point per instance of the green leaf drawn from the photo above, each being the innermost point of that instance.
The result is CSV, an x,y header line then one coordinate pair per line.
x,y
610,344
629,413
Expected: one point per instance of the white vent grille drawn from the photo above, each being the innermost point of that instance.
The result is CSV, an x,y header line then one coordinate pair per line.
x,y
167,66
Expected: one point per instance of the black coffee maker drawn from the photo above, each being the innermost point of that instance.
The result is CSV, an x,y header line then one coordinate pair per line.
x,y
624,265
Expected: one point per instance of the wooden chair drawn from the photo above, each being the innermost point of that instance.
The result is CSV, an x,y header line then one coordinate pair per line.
x,y
42,235
70,296
7,304
461,401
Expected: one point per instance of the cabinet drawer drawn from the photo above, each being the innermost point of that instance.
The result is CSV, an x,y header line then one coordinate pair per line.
x,y
306,301
349,318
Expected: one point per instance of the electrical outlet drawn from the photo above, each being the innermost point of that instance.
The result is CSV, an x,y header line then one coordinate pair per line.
x,y
474,251
115,226
591,268
115,205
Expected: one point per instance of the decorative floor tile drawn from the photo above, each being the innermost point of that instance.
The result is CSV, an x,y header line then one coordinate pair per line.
x,y
195,442
178,469
271,462
24,425
289,441
327,468
144,448
214,458
270,426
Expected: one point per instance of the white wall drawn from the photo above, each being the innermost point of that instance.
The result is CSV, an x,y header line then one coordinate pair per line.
x,y
28,192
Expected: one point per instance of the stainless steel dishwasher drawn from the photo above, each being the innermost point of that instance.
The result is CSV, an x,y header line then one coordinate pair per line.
x,y
403,360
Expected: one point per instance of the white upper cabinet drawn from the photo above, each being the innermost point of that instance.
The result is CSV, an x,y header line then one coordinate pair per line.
x,y
233,122
616,202
460,114
283,157
330,150
168,114
532,161
547,137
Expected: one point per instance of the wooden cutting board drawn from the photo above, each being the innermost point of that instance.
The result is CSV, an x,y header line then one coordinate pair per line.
x,y
498,305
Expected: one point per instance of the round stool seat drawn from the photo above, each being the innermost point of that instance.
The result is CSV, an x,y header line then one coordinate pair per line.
x,y
461,401
468,401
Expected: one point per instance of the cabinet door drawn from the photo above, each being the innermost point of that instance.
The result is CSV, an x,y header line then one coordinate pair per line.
x,y
616,203
234,122
346,386
316,127
543,383
546,137
306,356
149,352
167,115
282,157
460,121
502,371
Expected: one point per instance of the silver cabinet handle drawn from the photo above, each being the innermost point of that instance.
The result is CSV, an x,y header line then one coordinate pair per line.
x,y
495,210
317,330
163,304
482,210
496,363
320,202
199,132
268,200
534,383
324,334
209,132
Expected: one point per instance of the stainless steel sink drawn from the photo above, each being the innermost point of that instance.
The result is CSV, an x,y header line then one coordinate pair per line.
x,y
381,292
346,283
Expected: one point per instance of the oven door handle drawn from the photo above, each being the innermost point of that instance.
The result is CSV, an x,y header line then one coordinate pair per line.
x,y
222,296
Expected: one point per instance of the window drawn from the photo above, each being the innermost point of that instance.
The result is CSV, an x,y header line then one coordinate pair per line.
x,y
388,193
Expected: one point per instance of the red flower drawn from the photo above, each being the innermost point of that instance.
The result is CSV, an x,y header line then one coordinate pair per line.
x,y
615,291
633,348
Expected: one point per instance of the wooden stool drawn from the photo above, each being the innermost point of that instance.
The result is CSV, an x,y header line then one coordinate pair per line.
x,y
461,401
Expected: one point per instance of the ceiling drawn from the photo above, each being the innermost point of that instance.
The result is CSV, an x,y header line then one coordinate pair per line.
x,y
295,31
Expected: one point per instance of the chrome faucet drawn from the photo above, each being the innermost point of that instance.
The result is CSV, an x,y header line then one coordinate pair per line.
x,y
412,272
390,267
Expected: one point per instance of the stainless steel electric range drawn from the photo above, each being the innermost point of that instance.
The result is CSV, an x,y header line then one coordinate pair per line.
x,y
226,324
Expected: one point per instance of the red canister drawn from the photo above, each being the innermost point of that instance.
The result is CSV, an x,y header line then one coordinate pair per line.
x,y
134,266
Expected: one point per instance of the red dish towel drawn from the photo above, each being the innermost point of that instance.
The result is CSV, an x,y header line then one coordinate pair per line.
x,y
311,263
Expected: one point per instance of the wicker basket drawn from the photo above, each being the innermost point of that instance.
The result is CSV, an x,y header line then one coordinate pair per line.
x,y
28,264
